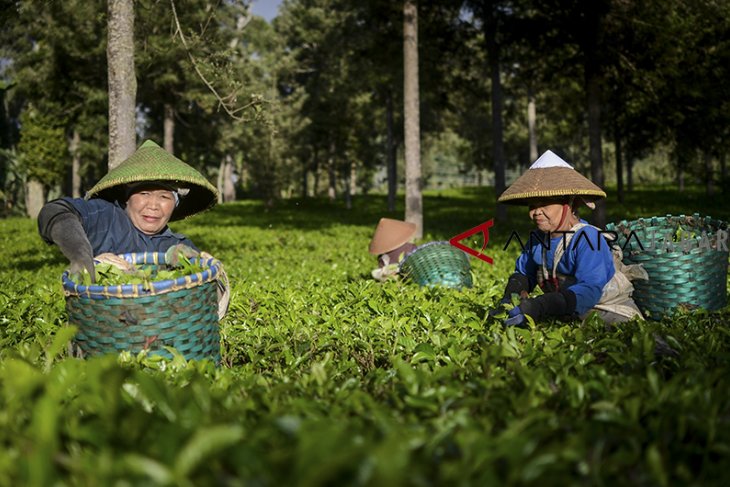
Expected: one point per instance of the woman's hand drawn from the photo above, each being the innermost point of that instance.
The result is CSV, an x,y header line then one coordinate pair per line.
x,y
172,255
515,317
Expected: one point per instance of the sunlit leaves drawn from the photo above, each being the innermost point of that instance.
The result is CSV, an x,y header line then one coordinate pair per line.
x,y
329,377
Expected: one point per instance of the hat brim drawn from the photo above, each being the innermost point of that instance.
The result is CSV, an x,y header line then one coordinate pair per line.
x,y
550,183
391,234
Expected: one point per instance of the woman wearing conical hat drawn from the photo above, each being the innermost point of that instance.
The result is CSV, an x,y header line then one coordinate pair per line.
x,y
127,211
570,260
391,242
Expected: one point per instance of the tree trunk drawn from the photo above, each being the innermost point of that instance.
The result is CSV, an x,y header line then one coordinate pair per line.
x,y
391,154
332,187
595,147
122,81
619,163
493,59
35,197
709,183
244,176
349,187
353,177
304,181
219,179
169,128
532,124
723,168
680,176
315,169
629,173
229,184
75,164
592,84
411,113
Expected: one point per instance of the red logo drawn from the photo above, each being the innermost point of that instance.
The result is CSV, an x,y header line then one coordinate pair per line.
x,y
484,228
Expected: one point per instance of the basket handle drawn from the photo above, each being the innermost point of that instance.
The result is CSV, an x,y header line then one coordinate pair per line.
x,y
224,286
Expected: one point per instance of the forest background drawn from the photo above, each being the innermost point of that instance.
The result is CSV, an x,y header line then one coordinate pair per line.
x,y
328,377
311,104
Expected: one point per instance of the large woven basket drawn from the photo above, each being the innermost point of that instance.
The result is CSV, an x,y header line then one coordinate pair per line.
x,y
437,264
180,313
686,258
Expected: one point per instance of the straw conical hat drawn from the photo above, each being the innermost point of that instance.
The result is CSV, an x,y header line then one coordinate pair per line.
x,y
153,163
391,234
551,176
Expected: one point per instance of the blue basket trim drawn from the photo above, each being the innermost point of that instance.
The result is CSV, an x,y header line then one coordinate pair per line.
x,y
137,290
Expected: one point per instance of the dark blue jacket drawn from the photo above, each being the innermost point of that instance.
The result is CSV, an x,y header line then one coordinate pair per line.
x,y
109,229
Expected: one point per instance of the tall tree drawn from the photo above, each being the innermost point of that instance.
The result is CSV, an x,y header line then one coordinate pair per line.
x,y
491,16
122,81
491,30
411,115
56,50
590,42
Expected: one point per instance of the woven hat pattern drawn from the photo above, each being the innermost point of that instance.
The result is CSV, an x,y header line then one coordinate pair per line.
x,y
152,163
549,177
391,234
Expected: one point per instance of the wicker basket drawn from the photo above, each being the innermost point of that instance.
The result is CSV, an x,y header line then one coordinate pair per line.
x,y
686,258
180,313
438,264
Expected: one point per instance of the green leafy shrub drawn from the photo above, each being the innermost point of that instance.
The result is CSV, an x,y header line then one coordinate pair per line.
x,y
331,378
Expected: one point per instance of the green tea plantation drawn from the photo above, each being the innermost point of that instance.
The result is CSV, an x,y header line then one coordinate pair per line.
x,y
330,378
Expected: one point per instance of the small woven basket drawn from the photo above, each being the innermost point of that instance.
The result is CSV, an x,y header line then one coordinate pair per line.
x,y
437,264
686,258
180,313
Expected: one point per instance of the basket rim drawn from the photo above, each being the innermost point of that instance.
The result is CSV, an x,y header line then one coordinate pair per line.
x,y
655,220
710,228
210,274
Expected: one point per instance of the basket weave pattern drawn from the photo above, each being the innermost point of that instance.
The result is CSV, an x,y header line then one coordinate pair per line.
x,y
685,271
181,313
438,264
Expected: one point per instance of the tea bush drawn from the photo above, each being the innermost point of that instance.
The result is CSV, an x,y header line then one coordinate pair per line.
x,y
331,378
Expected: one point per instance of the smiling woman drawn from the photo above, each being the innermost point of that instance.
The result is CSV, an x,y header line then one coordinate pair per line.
x,y
150,208
128,209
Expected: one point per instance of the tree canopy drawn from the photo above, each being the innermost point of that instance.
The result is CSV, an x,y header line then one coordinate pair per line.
x,y
312,103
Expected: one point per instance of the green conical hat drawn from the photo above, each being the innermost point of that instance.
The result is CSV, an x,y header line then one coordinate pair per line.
x,y
153,163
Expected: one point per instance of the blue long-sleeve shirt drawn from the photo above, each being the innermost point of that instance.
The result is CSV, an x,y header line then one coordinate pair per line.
x,y
109,229
588,262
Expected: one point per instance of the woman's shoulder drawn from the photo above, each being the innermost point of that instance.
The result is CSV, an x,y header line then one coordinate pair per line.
x,y
583,227
93,203
587,236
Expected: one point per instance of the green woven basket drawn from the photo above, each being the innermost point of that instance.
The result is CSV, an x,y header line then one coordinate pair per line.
x,y
438,264
180,313
686,258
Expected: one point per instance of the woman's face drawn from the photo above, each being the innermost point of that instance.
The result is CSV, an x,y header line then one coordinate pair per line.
x,y
546,214
150,209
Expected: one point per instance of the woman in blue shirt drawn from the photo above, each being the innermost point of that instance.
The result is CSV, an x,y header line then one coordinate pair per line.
x,y
128,209
570,260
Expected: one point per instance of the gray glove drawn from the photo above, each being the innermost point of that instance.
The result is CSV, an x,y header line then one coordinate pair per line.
x,y
172,255
69,235
57,223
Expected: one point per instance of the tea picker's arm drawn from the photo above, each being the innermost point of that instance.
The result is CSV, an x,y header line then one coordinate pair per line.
x,y
553,304
59,223
518,284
